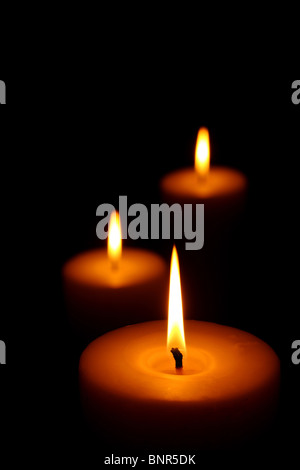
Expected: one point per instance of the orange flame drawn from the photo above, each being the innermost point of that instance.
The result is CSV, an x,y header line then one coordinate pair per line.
x,y
114,245
202,153
176,337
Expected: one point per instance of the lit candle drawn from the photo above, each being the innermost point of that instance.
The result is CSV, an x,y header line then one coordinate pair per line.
x,y
210,385
108,289
222,190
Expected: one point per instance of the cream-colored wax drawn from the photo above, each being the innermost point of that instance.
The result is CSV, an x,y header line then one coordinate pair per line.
x,y
226,391
222,192
101,298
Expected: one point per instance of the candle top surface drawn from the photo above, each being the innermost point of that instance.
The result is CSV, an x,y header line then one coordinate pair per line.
x,y
94,268
221,363
221,181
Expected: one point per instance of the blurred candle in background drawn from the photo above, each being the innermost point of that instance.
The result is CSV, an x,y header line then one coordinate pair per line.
x,y
222,190
108,288
208,273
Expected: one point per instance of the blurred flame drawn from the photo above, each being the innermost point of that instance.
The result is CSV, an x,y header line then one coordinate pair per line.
x,y
175,316
202,153
114,245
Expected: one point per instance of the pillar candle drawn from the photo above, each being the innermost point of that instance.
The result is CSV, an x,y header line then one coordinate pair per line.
x,y
104,291
222,190
222,389
227,390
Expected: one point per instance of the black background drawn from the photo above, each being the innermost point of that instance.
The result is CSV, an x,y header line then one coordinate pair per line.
x,y
114,125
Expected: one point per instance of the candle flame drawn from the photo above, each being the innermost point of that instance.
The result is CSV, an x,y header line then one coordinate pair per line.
x,y
176,337
202,153
114,245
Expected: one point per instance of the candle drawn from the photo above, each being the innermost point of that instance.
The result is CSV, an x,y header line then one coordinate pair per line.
x,y
222,190
106,290
224,387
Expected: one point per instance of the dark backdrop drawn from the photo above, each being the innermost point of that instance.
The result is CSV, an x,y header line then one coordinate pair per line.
x,y
112,130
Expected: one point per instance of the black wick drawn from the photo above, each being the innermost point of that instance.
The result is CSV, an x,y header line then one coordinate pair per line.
x,y
178,357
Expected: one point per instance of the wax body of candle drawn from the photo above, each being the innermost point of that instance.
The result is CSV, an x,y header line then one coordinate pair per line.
x,y
100,298
222,192
227,390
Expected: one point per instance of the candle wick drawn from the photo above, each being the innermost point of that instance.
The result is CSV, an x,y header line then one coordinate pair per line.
x,y
178,357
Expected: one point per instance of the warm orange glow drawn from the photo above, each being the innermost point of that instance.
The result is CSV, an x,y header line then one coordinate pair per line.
x,y
114,245
202,153
175,316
